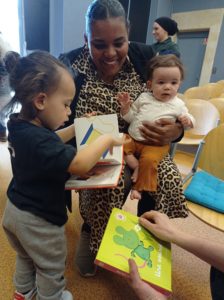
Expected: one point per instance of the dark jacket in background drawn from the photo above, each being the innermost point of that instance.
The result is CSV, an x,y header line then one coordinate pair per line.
x,y
166,47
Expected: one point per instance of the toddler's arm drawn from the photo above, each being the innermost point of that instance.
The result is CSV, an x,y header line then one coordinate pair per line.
x,y
67,133
87,157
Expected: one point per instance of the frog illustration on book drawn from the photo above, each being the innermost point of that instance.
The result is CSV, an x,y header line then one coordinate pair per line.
x,y
130,240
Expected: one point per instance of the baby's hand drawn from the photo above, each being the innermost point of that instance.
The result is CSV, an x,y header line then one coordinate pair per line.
x,y
125,102
185,121
123,98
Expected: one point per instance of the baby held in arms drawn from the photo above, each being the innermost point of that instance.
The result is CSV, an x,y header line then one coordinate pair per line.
x,y
160,102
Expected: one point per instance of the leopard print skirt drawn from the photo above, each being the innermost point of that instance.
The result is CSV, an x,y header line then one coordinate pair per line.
x,y
96,205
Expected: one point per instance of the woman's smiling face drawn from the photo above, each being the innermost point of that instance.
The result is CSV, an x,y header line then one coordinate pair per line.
x,y
107,41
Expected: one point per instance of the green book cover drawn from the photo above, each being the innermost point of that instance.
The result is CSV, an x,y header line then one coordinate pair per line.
x,y
124,238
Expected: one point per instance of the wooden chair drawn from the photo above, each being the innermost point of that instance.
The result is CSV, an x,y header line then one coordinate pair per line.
x,y
211,160
206,116
219,104
220,89
198,92
206,91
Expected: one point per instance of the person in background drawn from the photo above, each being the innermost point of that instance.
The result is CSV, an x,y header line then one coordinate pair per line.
x,y
107,64
165,74
209,251
163,29
36,211
4,98
4,86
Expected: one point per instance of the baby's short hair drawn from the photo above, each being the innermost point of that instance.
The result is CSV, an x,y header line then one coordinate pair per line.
x,y
160,61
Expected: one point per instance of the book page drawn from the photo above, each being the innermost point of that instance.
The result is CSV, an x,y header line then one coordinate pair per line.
x,y
101,176
89,129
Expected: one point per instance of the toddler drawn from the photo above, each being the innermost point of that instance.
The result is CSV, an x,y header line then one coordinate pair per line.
x,y
36,210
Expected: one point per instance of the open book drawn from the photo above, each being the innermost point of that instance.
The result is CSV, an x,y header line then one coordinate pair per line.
x,y
107,171
124,238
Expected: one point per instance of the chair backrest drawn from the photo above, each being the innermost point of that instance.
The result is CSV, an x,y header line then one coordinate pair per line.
x,y
206,116
217,89
219,104
206,91
196,92
211,158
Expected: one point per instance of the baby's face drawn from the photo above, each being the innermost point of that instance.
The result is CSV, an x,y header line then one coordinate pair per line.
x,y
165,83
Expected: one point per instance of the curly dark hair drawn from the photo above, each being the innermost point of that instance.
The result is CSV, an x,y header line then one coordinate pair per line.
x,y
35,73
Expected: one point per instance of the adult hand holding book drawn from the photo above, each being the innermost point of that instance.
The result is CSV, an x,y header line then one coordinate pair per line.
x,y
143,290
162,227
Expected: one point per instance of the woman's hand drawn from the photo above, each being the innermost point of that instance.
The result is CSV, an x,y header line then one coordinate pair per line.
x,y
160,225
143,290
161,132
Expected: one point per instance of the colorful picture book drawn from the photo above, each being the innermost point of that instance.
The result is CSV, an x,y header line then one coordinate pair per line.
x,y
124,238
107,172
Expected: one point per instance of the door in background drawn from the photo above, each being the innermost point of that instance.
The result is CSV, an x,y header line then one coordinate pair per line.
x,y
192,48
138,14
36,18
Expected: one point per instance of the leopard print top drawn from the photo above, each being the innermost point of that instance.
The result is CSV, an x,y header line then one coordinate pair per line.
x,y
96,95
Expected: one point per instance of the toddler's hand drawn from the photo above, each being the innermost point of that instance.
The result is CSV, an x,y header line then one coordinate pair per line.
x,y
118,141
